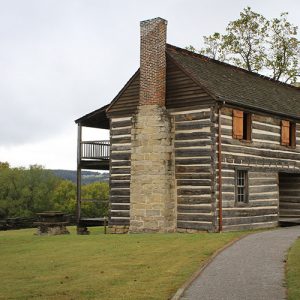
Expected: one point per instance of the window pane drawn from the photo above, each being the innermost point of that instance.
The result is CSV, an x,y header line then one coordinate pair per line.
x,y
241,186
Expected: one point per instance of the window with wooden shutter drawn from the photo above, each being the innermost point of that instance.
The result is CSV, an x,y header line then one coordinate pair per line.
x,y
293,134
247,124
241,125
237,124
285,133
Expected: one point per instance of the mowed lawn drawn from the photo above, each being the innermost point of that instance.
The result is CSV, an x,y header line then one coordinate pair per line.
x,y
98,266
293,272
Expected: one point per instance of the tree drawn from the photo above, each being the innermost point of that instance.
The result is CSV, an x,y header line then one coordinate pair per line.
x,y
213,47
259,45
98,191
64,197
25,192
4,165
243,40
284,50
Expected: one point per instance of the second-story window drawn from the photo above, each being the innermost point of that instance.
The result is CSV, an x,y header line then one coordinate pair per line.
x,y
241,125
288,133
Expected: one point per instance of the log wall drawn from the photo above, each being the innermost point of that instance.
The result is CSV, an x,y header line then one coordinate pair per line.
x,y
263,157
194,172
120,138
195,148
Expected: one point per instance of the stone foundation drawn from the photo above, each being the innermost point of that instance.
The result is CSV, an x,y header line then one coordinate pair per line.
x,y
152,201
118,229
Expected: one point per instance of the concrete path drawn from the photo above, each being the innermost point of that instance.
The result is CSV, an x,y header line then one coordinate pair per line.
x,y
251,269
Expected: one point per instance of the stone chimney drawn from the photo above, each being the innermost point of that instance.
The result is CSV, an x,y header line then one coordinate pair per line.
x,y
152,201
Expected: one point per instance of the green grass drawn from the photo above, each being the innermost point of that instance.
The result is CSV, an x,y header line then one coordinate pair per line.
x,y
98,266
293,272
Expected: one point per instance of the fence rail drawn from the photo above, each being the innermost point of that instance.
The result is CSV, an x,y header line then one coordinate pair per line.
x,y
95,150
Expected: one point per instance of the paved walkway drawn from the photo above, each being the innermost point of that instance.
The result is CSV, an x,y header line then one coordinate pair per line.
x,y
251,269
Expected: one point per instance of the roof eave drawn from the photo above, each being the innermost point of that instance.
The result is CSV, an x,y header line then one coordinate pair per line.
x,y
255,108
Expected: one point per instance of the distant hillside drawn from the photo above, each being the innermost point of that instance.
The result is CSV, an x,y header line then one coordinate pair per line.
x,y
87,176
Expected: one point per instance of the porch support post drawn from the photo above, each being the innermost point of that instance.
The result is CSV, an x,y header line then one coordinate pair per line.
x,y
79,140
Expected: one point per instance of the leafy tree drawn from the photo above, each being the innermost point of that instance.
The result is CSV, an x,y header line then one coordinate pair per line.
x,y
4,165
283,53
64,197
97,191
254,43
243,40
213,47
25,192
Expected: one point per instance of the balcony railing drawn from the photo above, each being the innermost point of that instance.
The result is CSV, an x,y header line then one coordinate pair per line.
x,y
95,150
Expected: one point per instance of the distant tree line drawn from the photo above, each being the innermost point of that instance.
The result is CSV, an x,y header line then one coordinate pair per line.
x,y
87,176
27,191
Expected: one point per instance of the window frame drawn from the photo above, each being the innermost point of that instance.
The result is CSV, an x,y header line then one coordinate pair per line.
x,y
246,187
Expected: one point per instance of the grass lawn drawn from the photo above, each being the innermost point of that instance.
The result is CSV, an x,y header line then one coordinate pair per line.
x,y
98,266
293,272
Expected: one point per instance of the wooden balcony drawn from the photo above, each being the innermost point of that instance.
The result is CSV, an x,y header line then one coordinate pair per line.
x,y
95,150
94,155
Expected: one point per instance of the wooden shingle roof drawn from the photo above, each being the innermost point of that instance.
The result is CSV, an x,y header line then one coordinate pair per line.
x,y
238,86
95,119
215,80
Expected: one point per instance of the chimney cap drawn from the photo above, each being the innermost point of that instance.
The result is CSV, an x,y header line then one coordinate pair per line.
x,y
154,20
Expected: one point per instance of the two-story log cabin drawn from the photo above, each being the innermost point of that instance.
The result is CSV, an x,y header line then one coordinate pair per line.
x,y
196,144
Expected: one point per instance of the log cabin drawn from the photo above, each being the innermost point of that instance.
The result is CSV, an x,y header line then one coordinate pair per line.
x,y
196,144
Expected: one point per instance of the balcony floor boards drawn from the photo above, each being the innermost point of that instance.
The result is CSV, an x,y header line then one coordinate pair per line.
x,y
95,164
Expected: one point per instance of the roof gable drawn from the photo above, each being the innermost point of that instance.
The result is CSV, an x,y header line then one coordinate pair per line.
x,y
127,99
181,91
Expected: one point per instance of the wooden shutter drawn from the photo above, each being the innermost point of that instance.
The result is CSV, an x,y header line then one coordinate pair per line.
x,y
285,133
237,124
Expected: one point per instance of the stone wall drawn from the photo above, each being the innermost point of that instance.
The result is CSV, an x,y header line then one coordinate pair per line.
x,y
118,229
152,198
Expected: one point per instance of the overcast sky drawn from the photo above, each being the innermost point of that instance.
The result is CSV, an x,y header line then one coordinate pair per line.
x,y
61,59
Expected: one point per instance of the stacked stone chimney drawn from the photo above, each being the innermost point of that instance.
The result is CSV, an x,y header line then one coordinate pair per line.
x,y
152,201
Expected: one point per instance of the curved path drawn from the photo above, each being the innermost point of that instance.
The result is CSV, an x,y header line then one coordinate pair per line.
x,y
252,268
